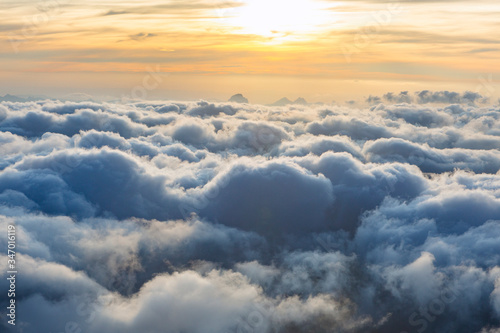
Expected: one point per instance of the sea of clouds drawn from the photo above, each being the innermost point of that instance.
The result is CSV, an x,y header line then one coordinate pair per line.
x,y
226,218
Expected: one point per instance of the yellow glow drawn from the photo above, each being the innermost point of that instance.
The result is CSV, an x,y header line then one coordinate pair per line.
x,y
279,18
422,42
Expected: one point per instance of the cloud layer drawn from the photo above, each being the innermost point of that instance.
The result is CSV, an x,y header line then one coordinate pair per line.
x,y
201,217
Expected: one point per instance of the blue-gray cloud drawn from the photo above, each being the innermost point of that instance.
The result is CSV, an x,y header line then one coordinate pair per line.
x,y
222,217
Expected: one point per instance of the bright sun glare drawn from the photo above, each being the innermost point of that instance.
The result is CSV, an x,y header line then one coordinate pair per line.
x,y
278,18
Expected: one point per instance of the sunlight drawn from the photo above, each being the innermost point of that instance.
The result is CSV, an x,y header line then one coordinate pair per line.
x,y
279,18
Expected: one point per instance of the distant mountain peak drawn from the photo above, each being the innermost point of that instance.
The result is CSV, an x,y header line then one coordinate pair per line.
x,y
285,101
12,98
282,102
17,99
238,98
301,101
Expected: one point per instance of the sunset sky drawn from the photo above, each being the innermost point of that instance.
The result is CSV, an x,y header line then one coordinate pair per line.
x,y
320,50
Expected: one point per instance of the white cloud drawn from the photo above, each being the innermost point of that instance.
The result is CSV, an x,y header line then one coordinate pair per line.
x,y
200,217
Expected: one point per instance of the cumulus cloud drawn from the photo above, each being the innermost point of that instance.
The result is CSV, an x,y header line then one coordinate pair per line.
x,y
429,97
278,198
174,216
426,96
402,97
431,159
354,128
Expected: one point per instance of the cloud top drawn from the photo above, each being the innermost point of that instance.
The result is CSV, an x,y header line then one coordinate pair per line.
x,y
230,217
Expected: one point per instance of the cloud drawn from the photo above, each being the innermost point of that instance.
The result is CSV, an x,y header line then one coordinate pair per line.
x,y
402,97
216,217
354,128
98,176
140,36
279,198
430,159
426,96
205,109
420,116
429,97
34,122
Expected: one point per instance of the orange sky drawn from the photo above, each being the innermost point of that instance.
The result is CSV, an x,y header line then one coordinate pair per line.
x,y
265,49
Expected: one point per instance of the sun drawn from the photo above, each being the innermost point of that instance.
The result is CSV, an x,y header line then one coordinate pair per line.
x,y
279,18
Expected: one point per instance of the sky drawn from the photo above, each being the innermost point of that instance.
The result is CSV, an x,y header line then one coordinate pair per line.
x,y
321,50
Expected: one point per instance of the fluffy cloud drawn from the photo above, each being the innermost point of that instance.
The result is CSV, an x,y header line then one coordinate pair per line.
x,y
221,217
427,96
278,198
431,159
